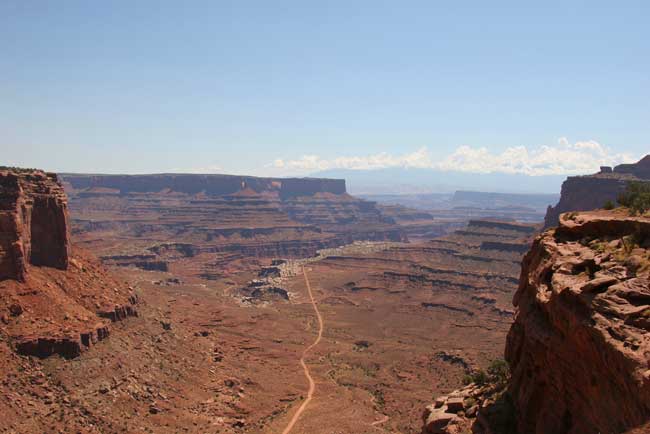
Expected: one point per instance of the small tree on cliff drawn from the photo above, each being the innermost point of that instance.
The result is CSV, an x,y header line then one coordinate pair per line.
x,y
636,197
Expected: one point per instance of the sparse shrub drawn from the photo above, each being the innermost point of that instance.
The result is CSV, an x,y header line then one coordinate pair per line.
x,y
636,197
498,371
609,205
478,377
600,247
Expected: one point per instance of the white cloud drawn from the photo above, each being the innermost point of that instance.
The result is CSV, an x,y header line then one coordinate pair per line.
x,y
562,159
419,158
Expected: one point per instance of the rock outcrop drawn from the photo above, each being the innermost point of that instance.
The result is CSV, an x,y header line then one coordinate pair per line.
x,y
212,185
584,193
217,220
33,223
479,409
51,301
579,349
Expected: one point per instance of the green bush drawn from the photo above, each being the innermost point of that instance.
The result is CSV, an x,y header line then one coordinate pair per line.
x,y
498,371
636,197
478,377
609,205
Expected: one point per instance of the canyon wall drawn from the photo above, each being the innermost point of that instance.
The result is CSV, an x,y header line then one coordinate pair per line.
x,y
583,193
51,302
579,349
218,219
33,223
215,185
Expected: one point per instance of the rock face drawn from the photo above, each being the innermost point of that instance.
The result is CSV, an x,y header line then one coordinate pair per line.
x,y
579,349
51,302
584,193
213,185
217,220
33,223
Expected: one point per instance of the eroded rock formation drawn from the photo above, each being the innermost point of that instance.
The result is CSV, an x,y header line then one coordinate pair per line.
x,y
579,349
33,223
212,185
51,302
584,193
216,219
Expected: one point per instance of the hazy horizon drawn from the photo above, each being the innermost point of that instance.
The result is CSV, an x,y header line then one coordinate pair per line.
x,y
290,89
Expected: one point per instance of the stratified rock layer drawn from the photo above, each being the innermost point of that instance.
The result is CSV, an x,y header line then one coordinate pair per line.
x,y
33,223
217,219
584,193
579,349
50,301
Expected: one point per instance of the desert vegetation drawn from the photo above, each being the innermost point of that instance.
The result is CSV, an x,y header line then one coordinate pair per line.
x,y
636,198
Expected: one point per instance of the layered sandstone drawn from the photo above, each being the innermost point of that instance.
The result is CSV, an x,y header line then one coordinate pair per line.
x,y
33,223
216,220
584,193
51,301
579,349
212,185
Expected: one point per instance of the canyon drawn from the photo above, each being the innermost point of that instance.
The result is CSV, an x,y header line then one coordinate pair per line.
x,y
213,222
258,305
208,273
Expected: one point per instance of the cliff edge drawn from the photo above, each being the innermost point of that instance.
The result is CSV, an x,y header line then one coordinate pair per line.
x,y
34,226
51,300
583,193
579,349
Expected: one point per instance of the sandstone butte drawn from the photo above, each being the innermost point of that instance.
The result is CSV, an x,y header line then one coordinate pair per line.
x,y
56,301
579,348
584,193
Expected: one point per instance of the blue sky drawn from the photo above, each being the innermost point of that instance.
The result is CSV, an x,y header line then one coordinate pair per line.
x,y
292,87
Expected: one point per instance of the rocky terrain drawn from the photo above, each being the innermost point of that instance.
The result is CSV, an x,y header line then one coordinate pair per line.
x,y
216,222
584,193
579,349
399,317
54,300
581,332
215,331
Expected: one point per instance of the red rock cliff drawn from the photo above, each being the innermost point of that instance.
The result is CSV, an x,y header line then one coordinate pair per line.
x,y
579,349
213,185
33,223
50,302
584,193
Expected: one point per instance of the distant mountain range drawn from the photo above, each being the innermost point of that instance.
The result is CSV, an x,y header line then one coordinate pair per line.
x,y
416,181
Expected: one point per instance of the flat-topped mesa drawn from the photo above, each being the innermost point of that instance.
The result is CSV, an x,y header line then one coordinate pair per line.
x,y
212,185
222,215
34,226
293,187
578,349
584,193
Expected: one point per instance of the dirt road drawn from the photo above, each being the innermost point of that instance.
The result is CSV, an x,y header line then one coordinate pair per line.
x,y
312,384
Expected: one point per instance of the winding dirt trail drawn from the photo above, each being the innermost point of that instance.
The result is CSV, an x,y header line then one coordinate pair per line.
x,y
312,384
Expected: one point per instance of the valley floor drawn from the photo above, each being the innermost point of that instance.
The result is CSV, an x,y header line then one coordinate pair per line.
x,y
401,325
